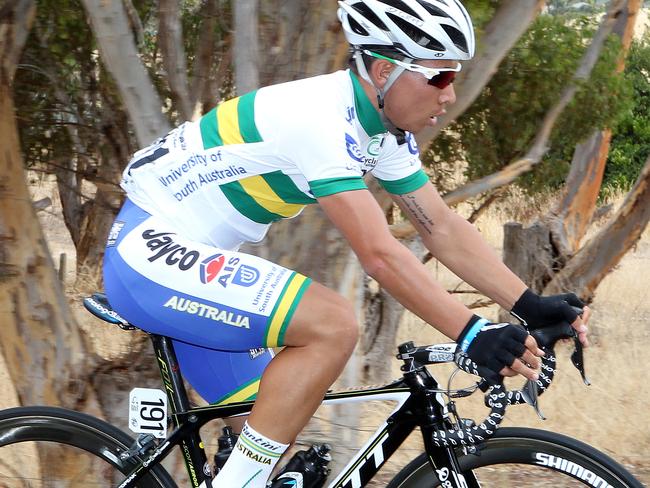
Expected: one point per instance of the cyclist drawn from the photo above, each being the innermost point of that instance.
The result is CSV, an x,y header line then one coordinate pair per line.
x,y
172,264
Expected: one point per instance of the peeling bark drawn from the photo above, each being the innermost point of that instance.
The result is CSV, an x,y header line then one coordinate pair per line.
x,y
598,257
575,210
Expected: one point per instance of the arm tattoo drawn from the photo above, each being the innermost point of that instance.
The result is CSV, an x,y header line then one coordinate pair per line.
x,y
417,212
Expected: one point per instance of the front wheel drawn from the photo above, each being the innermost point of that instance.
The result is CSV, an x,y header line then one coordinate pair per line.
x,y
523,458
47,447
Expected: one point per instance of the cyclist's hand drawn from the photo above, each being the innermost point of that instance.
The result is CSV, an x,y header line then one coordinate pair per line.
x,y
536,311
504,349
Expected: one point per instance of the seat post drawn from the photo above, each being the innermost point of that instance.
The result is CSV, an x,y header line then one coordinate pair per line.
x,y
193,453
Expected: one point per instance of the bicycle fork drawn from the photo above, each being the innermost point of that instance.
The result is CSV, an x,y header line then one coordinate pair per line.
x,y
432,413
445,465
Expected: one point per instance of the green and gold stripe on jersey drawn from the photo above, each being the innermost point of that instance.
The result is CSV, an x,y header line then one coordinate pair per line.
x,y
230,122
262,198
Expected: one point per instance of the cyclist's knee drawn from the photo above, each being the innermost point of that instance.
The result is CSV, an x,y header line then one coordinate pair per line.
x,y
325,318
335,325
340,326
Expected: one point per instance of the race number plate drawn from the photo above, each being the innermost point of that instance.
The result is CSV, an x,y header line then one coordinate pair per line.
x,y
148,412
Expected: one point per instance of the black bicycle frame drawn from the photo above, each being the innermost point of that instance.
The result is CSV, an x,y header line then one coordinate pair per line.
x,y
420,406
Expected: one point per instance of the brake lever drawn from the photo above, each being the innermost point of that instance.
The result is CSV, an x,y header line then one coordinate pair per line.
x,y
546,338
577,357
578,360
529,393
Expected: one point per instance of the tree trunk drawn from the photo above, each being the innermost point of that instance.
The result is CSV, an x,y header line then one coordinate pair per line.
x,y
305,37
528,253
118,52
170,38
573,214
90,248
15,24
506,27
246,45
598,257
38,338
203,58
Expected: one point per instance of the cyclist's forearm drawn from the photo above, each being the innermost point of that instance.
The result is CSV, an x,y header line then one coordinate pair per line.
x,y
460,247
399,272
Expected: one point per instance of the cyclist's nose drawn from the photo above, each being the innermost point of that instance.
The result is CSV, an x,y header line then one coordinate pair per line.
x,y
447,95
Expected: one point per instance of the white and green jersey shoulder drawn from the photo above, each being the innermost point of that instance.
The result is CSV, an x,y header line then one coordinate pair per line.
x,y
265,155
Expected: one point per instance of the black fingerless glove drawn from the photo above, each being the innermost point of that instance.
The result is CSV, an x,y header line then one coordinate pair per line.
x,y
536,311
493,346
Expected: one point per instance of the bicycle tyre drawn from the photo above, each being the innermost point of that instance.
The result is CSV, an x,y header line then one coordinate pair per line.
x,y
559,457
77,430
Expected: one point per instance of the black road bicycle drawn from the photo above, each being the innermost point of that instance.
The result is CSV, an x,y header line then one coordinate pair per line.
x,y
458,452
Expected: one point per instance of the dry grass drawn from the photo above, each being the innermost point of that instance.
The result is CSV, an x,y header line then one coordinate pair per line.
x,y
612,414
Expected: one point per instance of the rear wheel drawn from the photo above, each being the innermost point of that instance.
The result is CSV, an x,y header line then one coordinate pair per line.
x,y
525,458
46,447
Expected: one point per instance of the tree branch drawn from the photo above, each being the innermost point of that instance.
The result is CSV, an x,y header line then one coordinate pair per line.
x,y
16,19
595,260
203,57
119,54
539,146
504,30
571,217
246,45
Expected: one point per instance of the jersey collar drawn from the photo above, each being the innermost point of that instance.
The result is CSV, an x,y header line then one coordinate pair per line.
x,y
367,114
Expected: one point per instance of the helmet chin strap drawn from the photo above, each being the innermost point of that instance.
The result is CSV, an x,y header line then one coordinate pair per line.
x,y
381,92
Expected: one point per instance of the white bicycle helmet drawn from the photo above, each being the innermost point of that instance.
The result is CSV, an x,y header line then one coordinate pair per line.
x,y
418,29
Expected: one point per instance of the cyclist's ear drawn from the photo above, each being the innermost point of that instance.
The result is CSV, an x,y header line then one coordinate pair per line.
x,y
380,70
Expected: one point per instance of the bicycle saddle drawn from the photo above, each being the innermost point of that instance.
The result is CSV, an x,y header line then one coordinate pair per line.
x,y
98,305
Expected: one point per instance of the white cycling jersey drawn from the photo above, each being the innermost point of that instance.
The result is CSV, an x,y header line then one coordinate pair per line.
x,y
265,155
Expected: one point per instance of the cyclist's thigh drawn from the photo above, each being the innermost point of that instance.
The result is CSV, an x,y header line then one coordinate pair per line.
x,y
222,377
196,293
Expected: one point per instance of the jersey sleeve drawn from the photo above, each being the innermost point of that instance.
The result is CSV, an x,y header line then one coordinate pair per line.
x,y
399,170
329,159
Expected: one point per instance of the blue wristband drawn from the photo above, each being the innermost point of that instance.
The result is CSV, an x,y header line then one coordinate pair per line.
x,y
472,333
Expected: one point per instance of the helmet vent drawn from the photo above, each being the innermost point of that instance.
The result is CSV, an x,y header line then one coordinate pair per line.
x,y
367,13
456,36
425,40
356,27
400,5
432,9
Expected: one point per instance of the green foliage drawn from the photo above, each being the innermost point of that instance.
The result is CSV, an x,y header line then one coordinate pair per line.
x,y
58,66
630,145
501,124
62,89
481,12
